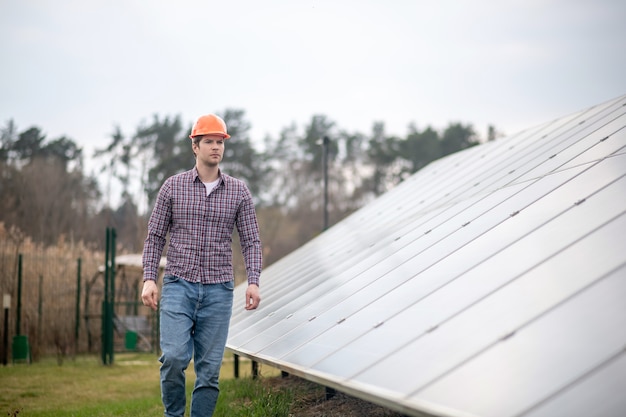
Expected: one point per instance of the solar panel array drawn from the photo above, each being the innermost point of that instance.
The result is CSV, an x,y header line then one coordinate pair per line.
x,y
490,283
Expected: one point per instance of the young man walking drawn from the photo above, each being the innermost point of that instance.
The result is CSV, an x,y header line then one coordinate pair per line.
x,y
199,209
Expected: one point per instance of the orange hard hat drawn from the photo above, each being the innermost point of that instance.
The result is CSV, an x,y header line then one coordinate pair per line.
x,y
209,124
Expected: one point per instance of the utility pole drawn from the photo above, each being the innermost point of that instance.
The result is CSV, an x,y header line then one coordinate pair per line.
x,y
330,392
325,143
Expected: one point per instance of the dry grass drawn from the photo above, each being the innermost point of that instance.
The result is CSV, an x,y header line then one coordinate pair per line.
x,y
49,289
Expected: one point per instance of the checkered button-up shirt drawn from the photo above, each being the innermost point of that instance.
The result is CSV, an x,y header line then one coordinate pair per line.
x,y
201,229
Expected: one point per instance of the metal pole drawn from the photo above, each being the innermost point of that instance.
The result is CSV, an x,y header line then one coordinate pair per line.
x,y
112,295
136,297
105,302
109,298
157,331
77,317
18,322
255,370
6,302
40,309
325,144
5,339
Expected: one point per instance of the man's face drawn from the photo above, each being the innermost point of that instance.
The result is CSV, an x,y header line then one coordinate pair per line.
x,y
210,149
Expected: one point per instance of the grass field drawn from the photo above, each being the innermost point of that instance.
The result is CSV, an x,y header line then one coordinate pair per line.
x,y
83,387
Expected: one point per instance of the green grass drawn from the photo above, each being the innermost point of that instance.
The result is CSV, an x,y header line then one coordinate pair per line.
x,y
84,388
248,397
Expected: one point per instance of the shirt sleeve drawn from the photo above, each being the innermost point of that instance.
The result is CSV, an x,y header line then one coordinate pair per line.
x,y
248,229
158,226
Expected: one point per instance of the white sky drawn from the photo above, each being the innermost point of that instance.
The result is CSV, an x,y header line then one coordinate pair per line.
x,y
77,68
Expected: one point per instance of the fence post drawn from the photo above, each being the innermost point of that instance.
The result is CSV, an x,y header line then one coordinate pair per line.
x,y
40,312
109,298
77,317
112,292
105,302
18,321
6,304
20,348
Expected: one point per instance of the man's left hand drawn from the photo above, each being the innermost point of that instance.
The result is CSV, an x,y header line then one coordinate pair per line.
x,y
253,297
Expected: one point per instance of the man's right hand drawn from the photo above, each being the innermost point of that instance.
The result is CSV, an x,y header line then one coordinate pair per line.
x,y
150,294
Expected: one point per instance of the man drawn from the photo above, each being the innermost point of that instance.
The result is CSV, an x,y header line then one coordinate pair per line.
x,y
199,208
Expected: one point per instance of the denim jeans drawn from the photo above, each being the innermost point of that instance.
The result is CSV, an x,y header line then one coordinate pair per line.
x,y
194,320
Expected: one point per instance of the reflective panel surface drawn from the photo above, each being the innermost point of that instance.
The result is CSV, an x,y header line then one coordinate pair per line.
x,y
491,282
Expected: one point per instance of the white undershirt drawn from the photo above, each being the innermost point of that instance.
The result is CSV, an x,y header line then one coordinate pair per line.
x,y
210,186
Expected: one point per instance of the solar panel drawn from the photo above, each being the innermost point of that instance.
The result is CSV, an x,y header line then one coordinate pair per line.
x,y
489,283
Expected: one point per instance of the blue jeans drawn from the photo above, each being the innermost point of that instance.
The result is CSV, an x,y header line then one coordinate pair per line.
x,y
194,320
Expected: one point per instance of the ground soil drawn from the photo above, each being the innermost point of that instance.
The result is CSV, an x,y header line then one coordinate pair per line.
x,y
311,401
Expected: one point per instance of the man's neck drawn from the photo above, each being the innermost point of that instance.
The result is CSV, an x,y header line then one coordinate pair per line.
x,y
208,174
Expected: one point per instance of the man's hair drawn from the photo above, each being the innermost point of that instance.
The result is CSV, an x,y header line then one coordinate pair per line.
x,y
196,141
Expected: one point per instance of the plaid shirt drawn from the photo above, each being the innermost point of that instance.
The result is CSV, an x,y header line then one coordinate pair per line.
x,y
201,229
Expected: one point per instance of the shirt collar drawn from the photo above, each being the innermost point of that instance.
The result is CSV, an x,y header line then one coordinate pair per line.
x,y
195,176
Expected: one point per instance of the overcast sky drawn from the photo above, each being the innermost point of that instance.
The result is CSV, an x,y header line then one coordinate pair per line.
x,y
78,68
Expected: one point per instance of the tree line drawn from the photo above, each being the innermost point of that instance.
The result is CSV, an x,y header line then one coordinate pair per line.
x,y
47,195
